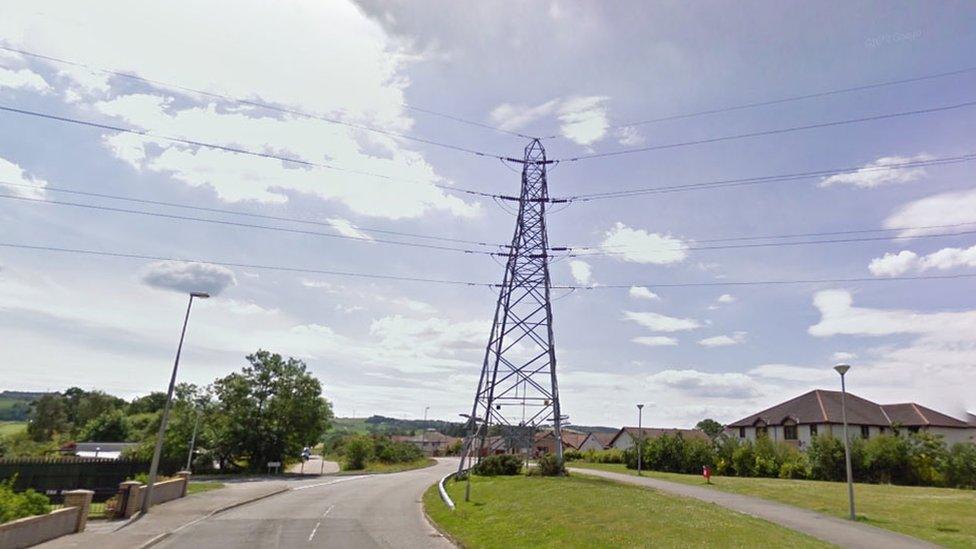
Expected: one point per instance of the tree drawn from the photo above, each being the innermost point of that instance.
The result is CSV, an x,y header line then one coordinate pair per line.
x,y
111,426
710,427
48,418
268,412
153,402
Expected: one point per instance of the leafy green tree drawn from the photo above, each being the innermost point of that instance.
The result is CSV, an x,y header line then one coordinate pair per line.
x,y
356,452
710,427
268,411
48,418
111,426
960,470
886,459
927,455
153,402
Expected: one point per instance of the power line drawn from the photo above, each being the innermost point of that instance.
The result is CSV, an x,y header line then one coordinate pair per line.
x,y
246,225
121,255
245,214
277,108
776,131
770,178
797,97
226,148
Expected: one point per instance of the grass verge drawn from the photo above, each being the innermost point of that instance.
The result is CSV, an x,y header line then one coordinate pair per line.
x,y
375,468
12,427
580,511
941,515
205,486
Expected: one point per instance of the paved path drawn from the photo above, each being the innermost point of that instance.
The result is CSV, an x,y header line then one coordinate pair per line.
x,y
843,533
314,466
353,511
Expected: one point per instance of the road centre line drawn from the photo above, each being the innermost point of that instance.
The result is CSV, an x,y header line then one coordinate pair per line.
x,y
316,529
337,481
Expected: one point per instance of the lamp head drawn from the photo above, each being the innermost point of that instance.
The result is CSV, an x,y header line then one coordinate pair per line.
x,y
640,406
842,368
200,295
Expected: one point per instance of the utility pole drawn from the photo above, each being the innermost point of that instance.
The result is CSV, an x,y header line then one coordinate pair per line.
x,y
521,350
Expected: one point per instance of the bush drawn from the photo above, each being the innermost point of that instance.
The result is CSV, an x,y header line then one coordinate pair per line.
x,y
110,426
396,452
886,459
15,505
611,455
501,464
927,456
356,452
724,448
768,458
795,464
549,466
744,459
572,455
960,470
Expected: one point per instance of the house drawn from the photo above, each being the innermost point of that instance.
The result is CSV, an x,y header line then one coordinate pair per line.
x,y
545,442
626,436
819,412
596,441
431,443
105,450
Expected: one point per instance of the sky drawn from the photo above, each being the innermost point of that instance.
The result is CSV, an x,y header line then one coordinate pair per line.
x,y
580,74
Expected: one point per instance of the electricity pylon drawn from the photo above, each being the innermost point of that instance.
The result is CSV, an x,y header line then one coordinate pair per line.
x,y
517,391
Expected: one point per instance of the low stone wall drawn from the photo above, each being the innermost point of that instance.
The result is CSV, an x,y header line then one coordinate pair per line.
x,y
167,490
30,531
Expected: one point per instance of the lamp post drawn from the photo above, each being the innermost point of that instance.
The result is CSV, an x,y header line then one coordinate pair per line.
x,y
423,434
640,437
154,467
193,440
842,369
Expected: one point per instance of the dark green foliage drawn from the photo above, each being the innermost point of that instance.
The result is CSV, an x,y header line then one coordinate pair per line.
x,y
48,418
357,451
111,426
710,427
886,459
927,455
14,505
960,466
395,452
611,455
502,464
549,466
572,455
153,402
826,455
672,453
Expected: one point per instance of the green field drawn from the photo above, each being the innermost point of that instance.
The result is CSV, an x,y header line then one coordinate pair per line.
x,y
374,468
580,511
940,515
12,427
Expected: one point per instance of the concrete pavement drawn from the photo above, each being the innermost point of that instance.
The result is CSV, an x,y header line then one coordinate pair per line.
x,y
843,533
314,466
353,511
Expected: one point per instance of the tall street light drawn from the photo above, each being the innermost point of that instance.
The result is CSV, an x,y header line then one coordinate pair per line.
x,y
154,467
842,369
640,437
423,434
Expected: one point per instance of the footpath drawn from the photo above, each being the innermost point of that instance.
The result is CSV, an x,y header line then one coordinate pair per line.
x,y
840,532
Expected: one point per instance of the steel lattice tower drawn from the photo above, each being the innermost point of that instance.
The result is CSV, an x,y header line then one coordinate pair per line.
x,y
517,391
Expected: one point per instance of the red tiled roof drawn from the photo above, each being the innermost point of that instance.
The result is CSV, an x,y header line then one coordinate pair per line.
x,y
654,432
910,414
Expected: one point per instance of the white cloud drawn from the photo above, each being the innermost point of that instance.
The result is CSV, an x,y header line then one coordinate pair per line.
x,y
414,305
23,79
581,271
725,298
640,292
346,228
841,356
940,209
703,384
189,277
583,119
660,323
629,136
655,341
723,340
791,373
874,174
639,246
12,174
902,262
839,316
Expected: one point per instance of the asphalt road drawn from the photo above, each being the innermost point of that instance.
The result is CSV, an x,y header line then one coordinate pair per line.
x,y
353,512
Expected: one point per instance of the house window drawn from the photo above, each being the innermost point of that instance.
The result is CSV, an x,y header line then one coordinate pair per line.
x,y
789,432
865,431
742,432
813,430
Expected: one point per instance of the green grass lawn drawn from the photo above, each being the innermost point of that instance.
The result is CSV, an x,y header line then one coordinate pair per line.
x,y
12,427
581,511
204,486
940,515
376,467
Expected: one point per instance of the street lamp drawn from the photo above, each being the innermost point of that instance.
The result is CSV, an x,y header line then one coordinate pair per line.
x,y
423,434
193,440
842,369
154,467
640,437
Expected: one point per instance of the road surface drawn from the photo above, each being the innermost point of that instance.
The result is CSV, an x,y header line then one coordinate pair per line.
x,y
354,512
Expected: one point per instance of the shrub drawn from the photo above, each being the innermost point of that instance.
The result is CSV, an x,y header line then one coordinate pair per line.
x,y
795,465
826,455
886,459
572,455
744,459
927,456
14,505
110,426
768,458
960,470
699,453
724,448
396,452
549,466
501,464
356,452
611,455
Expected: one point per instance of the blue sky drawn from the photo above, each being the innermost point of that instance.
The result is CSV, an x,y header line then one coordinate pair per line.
x,y
578,71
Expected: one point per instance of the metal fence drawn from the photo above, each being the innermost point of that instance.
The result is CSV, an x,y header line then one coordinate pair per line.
x,y
54,476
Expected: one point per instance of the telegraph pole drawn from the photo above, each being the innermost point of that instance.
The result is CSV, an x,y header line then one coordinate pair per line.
x,y
518,390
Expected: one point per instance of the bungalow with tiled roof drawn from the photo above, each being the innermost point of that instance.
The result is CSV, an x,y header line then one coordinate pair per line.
x,y
626,436
545,442
596,441
818,412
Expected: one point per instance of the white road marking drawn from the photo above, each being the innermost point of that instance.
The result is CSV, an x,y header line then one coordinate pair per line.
x,y
316,529
327,511
337,481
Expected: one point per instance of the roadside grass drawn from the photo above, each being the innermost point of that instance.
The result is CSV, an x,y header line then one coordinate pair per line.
x,y
941,515
204,486
373,468
12,427
579,511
